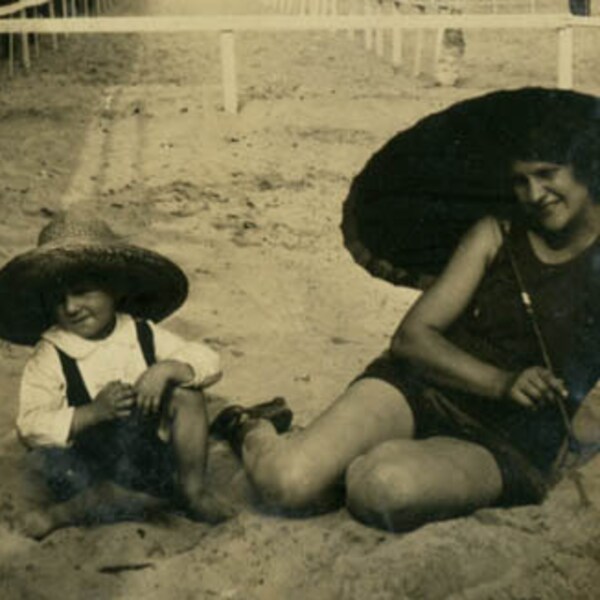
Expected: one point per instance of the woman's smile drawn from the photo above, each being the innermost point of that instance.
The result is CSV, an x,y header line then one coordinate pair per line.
x,y
547,209
550,194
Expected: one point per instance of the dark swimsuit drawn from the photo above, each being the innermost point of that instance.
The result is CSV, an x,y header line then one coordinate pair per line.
x,y
127,451
496,328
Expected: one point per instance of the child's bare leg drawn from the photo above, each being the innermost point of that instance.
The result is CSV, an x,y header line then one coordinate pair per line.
x,y
102,502
33,490
300,471
402,484
190,442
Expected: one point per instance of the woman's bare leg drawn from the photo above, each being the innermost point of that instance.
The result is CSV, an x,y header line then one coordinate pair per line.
x,y
300,470
402,484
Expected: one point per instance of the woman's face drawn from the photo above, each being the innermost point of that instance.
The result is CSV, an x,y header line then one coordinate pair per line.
x,y
87,311
550,194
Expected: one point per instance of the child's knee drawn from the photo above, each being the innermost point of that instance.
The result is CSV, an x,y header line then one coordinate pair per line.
x,y
187,400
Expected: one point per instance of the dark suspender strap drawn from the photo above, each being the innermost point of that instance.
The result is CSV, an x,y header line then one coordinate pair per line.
x,y
146,340
77,394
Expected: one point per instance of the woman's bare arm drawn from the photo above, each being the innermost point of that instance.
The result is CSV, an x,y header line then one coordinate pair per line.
x,y
420,337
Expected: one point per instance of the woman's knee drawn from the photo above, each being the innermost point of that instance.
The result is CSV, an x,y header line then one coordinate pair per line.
x,y
385,480
287,482
402,484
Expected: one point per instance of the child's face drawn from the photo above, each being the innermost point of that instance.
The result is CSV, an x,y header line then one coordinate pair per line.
x,y
87,311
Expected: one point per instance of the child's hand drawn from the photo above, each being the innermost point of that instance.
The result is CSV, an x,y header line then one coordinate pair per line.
x,y
114,401
536,386
153,383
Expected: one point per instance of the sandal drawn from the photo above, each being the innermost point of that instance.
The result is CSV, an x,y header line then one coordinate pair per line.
x,y
228,424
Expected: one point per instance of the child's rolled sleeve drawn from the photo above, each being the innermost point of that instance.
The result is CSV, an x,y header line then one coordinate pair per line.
x,y
44,417
203,360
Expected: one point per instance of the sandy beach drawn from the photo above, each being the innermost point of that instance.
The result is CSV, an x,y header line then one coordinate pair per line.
x,y
132,127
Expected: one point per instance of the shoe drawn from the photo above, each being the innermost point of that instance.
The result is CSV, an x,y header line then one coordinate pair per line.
x,y
226,421
276,411
228,424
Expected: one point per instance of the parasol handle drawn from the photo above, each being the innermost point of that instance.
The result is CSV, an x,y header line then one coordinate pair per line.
x,y
528,306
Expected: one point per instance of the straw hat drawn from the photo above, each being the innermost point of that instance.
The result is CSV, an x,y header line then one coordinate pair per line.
x,y
71,246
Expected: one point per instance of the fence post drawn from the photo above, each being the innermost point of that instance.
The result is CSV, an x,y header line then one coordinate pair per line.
x,y
379,33
439,42
350,32
565,58
396,41
230,99
368,10
54,36
25,44
333,10
36,36
11,54
419,43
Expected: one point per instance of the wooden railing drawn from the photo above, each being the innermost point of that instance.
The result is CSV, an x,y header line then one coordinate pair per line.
x,y
228,25
30,9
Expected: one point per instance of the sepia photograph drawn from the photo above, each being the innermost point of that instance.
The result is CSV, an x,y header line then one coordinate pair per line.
x,y
299,299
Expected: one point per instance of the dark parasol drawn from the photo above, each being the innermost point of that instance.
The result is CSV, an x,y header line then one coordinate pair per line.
x,y
417,195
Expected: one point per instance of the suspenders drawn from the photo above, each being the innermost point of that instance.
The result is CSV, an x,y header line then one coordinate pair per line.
x,y
77,394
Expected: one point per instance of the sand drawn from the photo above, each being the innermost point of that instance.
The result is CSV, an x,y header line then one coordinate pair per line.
x,y
250,205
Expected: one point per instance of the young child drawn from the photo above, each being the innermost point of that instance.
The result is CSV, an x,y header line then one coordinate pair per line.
x,y
111,404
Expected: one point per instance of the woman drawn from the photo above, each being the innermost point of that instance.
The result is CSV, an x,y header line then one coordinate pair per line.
x,y
468,408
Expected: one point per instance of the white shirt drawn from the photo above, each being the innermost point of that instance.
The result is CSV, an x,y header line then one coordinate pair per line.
x,y
45,416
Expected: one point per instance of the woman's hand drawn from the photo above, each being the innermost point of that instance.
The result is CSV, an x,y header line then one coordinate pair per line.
x,y
154,382
534,387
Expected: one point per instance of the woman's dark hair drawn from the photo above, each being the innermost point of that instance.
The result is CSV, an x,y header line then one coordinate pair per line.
x,y
573,141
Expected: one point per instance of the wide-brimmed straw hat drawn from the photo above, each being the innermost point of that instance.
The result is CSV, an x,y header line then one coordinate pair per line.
x,y
416,196
71,246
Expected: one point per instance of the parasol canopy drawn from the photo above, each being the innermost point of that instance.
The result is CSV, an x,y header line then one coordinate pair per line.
x,y
415,198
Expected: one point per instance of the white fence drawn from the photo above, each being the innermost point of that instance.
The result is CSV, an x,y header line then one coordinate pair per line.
x,y
26,9
228,25
374,39
348,7
463,6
